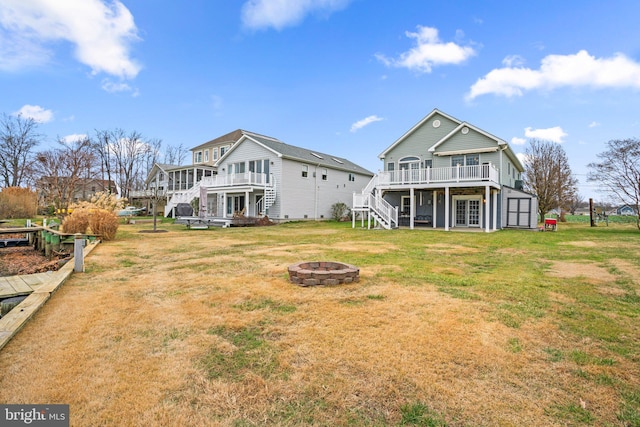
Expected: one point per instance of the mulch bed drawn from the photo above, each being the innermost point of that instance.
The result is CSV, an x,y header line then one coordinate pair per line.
x,y
26,260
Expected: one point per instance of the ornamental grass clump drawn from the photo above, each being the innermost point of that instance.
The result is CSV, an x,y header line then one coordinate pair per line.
x,y
77,222
104,223
99,215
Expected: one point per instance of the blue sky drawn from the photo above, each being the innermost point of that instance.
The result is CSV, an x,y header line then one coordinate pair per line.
x,y
346,77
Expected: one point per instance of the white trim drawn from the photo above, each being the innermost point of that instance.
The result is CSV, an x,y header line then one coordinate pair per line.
x,y
471,151
467,197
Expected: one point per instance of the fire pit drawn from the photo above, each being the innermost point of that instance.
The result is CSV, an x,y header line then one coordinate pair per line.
x,y
323,273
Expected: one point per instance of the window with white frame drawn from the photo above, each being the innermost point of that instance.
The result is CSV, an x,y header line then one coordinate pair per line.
x,y
236,167
324,174
305,171
206,155
215,153
223,150
465,160
352,177
197,157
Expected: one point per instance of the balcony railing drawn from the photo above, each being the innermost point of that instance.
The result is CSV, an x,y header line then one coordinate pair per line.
x,y
235,179
486,172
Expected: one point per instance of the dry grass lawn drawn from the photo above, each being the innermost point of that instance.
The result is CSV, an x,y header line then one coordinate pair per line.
x,y
200,328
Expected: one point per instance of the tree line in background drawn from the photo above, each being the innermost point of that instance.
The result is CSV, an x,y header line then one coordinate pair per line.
x,y
120,159
549,176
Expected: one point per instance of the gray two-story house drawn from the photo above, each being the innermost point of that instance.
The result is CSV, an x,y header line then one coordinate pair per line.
x,y
446,173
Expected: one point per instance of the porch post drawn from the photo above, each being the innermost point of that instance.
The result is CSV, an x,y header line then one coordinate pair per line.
x,y
487,195
247,204
495,209
411,207
446,209
434,201
224,205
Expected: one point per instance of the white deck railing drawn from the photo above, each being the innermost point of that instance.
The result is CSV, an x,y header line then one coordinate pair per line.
x,y
234,179
486,172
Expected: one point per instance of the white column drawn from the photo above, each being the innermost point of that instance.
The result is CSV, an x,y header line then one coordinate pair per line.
x,y
411,207
434,202
496,193
247,204
224,205
487,195
446,209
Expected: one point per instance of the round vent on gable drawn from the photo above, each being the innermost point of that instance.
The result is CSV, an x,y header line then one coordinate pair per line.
x,y
465,130
436,123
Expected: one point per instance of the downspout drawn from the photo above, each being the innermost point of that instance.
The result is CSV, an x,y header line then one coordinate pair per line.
x,y
315,197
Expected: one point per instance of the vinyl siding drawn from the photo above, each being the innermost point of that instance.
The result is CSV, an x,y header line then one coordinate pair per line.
x,y
247,151
311,197
296,196
419,142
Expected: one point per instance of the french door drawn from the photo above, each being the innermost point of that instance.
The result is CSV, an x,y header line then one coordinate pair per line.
x,y
468,212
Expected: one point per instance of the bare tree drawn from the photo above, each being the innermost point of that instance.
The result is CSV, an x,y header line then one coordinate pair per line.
x,y
62,168
575,202
618,172
175,155
126,158
18,137
548,175
101,144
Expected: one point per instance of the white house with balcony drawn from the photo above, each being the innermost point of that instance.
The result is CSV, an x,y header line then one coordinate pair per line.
x,y
446,173
257,175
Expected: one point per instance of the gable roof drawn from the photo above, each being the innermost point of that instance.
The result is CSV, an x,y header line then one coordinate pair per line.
x,y
413,129
501,144
300,154
229,138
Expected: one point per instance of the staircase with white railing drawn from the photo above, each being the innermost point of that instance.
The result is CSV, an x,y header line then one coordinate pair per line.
x,y
269,197
372,202
182,197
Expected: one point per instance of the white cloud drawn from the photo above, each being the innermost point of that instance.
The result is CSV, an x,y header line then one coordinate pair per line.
x,y
261,14
110,86
518,141
102,34
554,134
594,124
365,122
579,70
74,137
36,113
429,51
513,61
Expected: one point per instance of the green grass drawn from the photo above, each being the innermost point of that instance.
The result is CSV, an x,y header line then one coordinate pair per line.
x,y
251,354
266,304
419,414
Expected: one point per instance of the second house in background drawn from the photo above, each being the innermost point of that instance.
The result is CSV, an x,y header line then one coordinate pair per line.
x,y
258,175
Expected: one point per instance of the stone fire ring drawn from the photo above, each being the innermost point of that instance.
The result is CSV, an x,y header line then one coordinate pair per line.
x,y
323,273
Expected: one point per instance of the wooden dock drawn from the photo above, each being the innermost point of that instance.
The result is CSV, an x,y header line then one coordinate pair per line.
x,y
13,286
39,287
